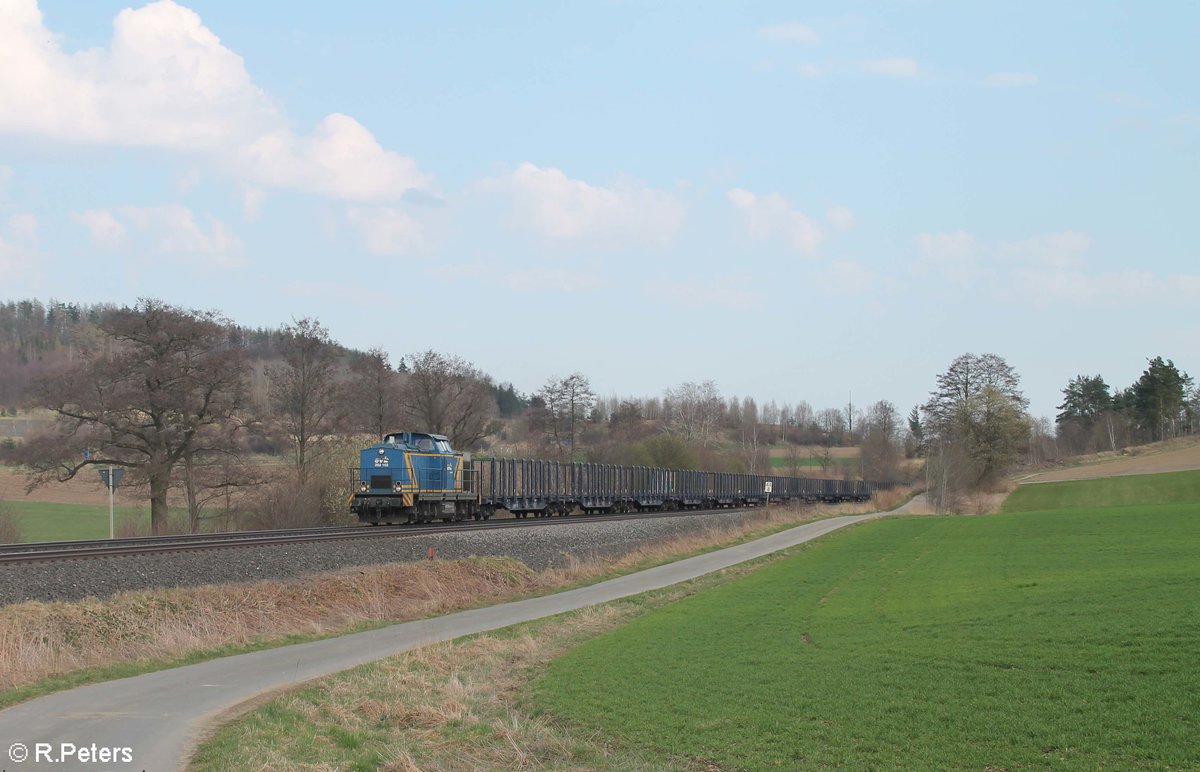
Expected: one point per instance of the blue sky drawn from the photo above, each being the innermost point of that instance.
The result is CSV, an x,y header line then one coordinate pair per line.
x,y
796,200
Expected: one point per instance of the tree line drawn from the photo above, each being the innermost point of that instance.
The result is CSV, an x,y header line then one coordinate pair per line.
x,y
188,402
1163,403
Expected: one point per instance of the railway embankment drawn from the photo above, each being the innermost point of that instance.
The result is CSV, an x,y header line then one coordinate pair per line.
x,y
555,545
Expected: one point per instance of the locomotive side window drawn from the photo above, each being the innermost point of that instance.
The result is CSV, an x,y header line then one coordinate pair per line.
x,y
443,446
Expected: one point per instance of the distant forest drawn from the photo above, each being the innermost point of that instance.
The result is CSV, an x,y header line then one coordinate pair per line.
x,y
37,337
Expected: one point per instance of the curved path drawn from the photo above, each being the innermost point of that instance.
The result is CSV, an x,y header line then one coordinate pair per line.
x,y
153,721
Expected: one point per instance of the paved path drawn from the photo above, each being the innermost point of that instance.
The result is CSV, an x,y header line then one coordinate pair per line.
x,y
154,720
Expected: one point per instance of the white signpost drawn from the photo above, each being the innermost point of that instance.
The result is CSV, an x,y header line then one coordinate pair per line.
x,y
767,490
111,478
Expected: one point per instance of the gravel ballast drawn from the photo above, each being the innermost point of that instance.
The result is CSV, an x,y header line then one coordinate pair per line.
x,y
548,545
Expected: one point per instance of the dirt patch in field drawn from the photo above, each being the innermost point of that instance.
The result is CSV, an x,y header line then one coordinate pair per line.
x,y
84,489
1172,456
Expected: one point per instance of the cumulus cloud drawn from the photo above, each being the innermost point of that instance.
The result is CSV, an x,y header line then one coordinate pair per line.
x,y
790,32
771,216
167,81
893,68
387,231
105,230
173,230
560,208
1011,79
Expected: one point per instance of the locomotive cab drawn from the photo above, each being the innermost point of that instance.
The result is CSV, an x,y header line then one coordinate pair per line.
x,y
412,477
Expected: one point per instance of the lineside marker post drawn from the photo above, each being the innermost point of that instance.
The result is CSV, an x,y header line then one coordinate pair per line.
x,y
111,478
767,490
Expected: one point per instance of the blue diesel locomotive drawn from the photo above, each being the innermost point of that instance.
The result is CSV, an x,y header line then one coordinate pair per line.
x,y
414,478
417,478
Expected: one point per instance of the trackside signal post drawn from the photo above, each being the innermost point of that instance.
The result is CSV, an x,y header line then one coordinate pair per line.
x,y
111,478
767,490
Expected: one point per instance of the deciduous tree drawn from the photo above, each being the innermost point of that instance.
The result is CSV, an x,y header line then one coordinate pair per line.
x,y
157,385
305,391
568,402
448,395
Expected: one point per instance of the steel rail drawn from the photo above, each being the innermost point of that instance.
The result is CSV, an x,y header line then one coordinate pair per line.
x,y
56,551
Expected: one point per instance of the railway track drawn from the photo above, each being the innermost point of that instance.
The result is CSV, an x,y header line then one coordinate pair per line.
x,y
43,552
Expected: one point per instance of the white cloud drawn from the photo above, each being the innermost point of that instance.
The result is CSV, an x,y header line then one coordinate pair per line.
x,y
771,216
340,159
790,32
560,208
894,68
6,175
252,199
840,217
387,231
726,293
174,231
106,230
1011,79
167,81
811,70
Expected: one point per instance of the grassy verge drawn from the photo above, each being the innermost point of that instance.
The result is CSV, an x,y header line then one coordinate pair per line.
x,y
43,521
454,705
1049,639
46,647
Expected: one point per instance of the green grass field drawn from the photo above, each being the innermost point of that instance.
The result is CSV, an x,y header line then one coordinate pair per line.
x,y
1107,492
40,521
1065,638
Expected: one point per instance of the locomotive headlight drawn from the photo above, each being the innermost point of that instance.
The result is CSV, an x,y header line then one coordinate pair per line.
x,y
363,486
397,486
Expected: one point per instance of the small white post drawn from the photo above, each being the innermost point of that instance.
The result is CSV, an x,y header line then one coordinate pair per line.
x,y
110,501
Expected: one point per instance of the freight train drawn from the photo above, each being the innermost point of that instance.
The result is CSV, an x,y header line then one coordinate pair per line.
x,y
411,477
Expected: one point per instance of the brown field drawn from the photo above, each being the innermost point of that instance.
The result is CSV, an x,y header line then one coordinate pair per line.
x,y
1177,455
84,489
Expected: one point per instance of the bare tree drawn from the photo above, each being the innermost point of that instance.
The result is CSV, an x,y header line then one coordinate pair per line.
x,y
373,394
305,391
158,385
448,395
881,445
568,401
695,411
